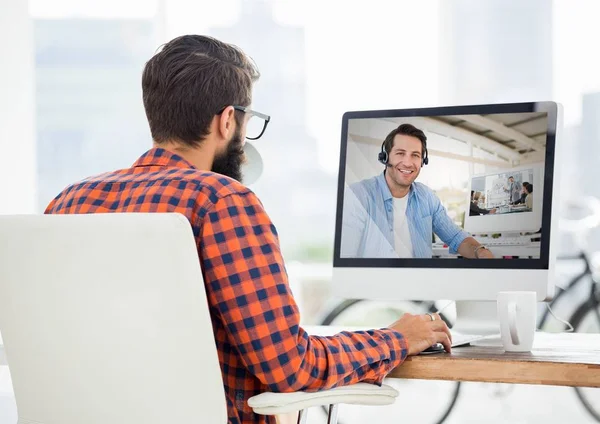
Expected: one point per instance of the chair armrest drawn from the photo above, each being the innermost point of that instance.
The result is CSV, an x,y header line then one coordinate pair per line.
x,y
270,403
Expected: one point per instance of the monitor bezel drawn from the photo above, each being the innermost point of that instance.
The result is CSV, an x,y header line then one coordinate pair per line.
x,y
551,108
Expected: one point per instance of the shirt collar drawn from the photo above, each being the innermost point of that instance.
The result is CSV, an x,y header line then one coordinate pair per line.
x,y
161,157
385,190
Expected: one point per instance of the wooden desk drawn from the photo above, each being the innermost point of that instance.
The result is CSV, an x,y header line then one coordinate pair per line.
x,y
556,359
564,359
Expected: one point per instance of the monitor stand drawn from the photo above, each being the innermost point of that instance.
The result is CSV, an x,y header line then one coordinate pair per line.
x,y
479,318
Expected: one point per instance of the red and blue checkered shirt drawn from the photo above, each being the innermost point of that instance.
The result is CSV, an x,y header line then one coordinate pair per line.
x,y
256,322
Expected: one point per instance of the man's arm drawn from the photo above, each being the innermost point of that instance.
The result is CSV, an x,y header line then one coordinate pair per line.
x,y
247,285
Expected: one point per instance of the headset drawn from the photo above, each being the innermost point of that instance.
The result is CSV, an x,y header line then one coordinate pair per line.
x,y
383,156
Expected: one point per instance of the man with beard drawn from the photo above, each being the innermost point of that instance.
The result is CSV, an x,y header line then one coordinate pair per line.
x,y
392,216
197,92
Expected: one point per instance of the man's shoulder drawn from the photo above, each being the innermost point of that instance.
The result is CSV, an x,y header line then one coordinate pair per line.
x,y
183,178
182,184
221,185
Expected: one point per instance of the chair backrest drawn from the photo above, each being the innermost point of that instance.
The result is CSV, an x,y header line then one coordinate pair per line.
x,y
105,320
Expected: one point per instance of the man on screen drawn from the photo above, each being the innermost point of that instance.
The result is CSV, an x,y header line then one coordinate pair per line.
x,y
392,216
514,190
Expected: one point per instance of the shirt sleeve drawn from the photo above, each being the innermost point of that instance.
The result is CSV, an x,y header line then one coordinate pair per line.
x,y
448,231
247,284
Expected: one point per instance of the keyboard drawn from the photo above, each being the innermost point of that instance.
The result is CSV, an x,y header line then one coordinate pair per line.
x,y
460,339
506,241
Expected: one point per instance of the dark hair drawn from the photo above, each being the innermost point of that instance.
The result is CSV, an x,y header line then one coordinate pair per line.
x,y
405,129
529,188
525,183
191,80
511,177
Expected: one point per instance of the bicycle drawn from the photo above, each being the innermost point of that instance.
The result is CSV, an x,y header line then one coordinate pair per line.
x,y
585,318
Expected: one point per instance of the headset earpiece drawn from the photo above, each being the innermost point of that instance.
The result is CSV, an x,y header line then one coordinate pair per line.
x,y
383,155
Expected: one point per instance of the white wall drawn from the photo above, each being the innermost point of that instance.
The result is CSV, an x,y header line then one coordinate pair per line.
x,y
17,138
17,110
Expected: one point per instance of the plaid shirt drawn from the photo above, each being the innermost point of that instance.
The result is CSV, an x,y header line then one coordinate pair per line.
x,y
255,319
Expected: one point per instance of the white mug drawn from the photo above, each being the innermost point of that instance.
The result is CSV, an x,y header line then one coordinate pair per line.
x,y
517,314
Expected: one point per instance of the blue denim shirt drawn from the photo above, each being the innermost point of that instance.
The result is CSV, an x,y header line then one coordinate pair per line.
x,y
368,221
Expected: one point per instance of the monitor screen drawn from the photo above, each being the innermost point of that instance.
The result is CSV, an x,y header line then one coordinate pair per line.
x,y
426,187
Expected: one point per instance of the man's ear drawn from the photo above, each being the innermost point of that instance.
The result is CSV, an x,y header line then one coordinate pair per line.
x,y
226,123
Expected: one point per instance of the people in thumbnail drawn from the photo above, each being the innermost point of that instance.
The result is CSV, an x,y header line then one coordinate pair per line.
x,y
529,196
474,208
513,189
523,194
392,216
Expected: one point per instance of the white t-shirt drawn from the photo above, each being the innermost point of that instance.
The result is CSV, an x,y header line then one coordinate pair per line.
x,y
402,242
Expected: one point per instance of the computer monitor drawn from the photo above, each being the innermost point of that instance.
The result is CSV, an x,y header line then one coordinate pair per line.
x,y
405,208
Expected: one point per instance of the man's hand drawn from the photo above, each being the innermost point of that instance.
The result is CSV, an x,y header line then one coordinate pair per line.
x,y
421,332
484,254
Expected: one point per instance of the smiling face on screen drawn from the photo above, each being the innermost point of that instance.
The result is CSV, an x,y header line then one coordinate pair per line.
x,y
405,161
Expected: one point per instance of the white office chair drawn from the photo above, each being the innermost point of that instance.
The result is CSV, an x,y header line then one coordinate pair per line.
x,y
105,320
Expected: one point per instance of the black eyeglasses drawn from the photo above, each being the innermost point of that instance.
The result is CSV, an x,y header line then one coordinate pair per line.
x,y
255,125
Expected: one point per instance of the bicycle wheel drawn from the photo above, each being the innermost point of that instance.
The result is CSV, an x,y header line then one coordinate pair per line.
x,y
420,401
586,319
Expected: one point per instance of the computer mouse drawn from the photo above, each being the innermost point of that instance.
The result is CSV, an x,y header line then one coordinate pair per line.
x,y
436,348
